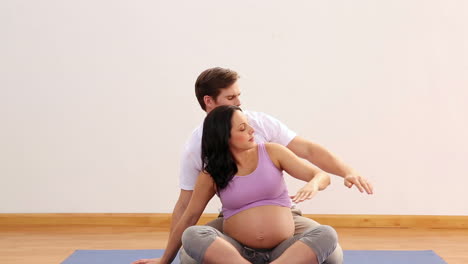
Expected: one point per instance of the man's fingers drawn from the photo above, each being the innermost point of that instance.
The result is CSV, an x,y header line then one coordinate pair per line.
x,y
361,183
371,188
359,186
367,186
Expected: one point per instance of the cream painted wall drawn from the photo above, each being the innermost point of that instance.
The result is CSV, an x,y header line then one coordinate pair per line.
x,y
96,97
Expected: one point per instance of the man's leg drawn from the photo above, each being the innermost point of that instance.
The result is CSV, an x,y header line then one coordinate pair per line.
x,y
303,223
184,257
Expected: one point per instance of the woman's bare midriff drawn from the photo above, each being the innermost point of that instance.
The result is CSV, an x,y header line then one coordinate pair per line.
x,y
261,227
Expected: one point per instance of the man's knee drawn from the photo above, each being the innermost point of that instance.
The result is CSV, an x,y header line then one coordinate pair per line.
x,y
336,257
186,259
302,223
217,223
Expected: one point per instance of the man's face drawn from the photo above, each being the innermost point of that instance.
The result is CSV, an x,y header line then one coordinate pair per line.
x,y
227,96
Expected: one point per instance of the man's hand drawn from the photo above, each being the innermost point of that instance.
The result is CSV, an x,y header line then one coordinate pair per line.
x,y
361,183
147,261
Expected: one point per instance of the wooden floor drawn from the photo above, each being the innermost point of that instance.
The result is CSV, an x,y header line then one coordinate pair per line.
x,y
49,245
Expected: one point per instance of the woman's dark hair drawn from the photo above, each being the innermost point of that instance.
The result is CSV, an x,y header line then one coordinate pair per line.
x,y
217,159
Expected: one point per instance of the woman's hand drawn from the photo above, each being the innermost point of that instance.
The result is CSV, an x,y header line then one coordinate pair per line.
x,y
306,193
148,261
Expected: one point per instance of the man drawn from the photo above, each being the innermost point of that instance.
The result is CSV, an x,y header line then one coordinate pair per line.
x,y
218,86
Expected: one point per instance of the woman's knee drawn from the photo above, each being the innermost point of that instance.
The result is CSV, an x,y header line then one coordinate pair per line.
x,y
329,232
196,239
197,234
322,240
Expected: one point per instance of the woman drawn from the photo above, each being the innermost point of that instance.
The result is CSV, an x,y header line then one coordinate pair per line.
x,y
258,225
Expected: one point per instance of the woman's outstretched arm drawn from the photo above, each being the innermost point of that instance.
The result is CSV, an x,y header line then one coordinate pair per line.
x,y
286,160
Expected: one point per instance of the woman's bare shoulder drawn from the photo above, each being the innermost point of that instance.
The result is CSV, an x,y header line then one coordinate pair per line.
x,y
276,152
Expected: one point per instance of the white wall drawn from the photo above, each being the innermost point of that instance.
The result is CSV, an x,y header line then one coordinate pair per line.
x,y
97,97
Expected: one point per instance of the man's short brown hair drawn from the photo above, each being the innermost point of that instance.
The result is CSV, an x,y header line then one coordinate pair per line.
x,y
211,81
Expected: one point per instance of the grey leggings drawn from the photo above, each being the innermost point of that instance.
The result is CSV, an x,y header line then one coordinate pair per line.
x,y
322,240
301,224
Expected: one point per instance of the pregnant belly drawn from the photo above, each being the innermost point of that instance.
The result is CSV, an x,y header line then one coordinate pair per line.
x,y
261,227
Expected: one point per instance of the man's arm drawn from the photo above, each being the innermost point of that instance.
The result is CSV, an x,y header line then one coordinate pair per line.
x,y
189,174
202,194
181,205
328,162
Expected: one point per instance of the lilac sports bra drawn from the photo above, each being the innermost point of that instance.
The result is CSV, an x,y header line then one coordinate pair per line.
x,y
264,186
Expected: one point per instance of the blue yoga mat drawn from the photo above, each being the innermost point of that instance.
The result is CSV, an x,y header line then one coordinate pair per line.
x,y
350,257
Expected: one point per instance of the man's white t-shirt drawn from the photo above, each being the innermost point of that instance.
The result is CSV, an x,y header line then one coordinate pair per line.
x,y
267,129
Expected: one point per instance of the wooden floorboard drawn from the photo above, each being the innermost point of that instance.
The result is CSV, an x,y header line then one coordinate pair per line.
x,y
48,245
163,220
